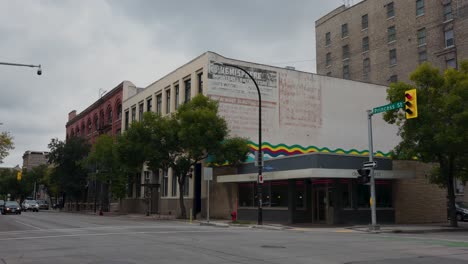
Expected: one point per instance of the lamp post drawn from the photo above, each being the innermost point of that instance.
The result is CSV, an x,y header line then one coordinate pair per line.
x,y
260,154
39,70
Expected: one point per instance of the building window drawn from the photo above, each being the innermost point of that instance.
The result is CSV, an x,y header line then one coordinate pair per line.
x,y
174,185
346,193
133,114
119,111
449,41
187,186
140,112
392,57
365,44
345,52
448,11
165,183
391,34
344,30
345,70
422,55
421,37
390,10
385,197
177,92
200,82
451,63
149,104
365,21
187,84
328,59
126,120
327,39
393,78
101,119
96,123
366,67
90,126
419,7
109,114
279,193
159,104
246,194
168,101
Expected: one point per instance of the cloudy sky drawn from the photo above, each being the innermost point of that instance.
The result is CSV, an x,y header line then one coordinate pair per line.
x,y
88,45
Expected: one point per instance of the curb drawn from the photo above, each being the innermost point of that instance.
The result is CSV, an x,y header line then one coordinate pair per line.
x,y
410,231
227,225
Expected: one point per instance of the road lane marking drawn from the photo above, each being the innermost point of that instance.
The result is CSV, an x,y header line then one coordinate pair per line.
x,y
107,234
23,223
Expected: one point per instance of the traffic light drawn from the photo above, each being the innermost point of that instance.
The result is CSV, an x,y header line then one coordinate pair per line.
x,y
19,174
411,104
364,176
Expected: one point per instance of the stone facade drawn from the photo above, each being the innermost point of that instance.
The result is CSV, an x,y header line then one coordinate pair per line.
x,y
406,44
417,200
32,159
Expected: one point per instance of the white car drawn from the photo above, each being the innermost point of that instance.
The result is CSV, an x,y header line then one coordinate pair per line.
x,y
30,205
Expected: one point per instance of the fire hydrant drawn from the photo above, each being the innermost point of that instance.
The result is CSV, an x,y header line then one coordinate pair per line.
x,y
234,216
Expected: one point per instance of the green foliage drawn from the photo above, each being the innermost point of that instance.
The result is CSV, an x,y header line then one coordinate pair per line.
x,y
6,144
70,172
440,133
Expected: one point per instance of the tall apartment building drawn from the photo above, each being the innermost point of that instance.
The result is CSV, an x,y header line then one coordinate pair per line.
x,y
33,159
382,41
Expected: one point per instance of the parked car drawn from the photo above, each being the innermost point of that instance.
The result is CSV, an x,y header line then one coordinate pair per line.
x,y
462,211
30,205
43,204
2,204
11,207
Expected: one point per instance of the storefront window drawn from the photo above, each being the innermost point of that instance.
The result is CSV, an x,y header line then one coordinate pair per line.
x,y
300,194
246,194
279,193
363,196
266,197
345,188
383,191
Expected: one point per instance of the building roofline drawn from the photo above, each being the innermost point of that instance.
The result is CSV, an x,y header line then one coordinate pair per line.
x,y
96,103
335,12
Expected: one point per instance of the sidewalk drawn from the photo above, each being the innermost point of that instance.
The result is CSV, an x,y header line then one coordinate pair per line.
x,y
414,228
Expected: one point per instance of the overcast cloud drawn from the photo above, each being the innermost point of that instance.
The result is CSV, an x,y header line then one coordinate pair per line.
x,y
85,46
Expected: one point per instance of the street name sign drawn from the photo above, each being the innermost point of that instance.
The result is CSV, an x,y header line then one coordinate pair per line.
x,y
389,107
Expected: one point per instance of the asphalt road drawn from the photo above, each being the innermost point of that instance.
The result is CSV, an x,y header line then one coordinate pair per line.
x,y
48,237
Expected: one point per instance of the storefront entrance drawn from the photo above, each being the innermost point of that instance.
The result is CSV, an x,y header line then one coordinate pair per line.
x,y
319,202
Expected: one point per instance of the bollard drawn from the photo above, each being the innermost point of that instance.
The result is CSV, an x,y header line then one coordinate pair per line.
x,y
190,215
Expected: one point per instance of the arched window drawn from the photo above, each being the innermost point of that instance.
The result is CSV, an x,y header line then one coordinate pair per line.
x,y
73,132
96,122
83,129
101,119
118,109
90,126
109,114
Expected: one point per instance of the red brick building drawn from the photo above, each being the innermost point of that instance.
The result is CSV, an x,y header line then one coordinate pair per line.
x,y
102,117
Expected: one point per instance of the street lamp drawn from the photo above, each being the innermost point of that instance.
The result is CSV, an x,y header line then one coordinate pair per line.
x,y
259,154
39,70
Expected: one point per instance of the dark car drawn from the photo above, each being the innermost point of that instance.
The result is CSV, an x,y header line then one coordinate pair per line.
x,y
43,204
11,207
462,211
2,204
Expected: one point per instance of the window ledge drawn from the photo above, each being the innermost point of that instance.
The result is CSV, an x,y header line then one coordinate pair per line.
x,y
448,21
345,37
392,17
449,47
422,45
328,66
346,59
365,52
391,42
364,29
393,65
420,15
327,46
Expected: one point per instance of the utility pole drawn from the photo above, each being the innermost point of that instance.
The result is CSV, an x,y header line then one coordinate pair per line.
x,y
372,178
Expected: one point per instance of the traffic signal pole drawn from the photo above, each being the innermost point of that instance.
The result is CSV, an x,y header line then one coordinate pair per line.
x,y
372,178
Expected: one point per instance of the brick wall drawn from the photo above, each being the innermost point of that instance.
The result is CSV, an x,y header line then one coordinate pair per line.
x,y
417,200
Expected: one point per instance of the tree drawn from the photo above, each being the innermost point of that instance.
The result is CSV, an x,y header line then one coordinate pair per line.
x,y
69,173
440,133
180,141
6,144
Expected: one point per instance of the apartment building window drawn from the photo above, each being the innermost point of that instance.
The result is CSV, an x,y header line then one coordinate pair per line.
x,y
90,126
393,78
365,21
448,11
186,186
159,104
174,185
393,57
366,67
119,111
419,7
345,70
109,114
344,30
149,104
133,114
328,59
165,183
451,63
200,82
391,34
168,101
188,89
345,52
365,44
449,41
126,120
327,39
390,10
96,123
177,92
140,111
421,37
422,55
